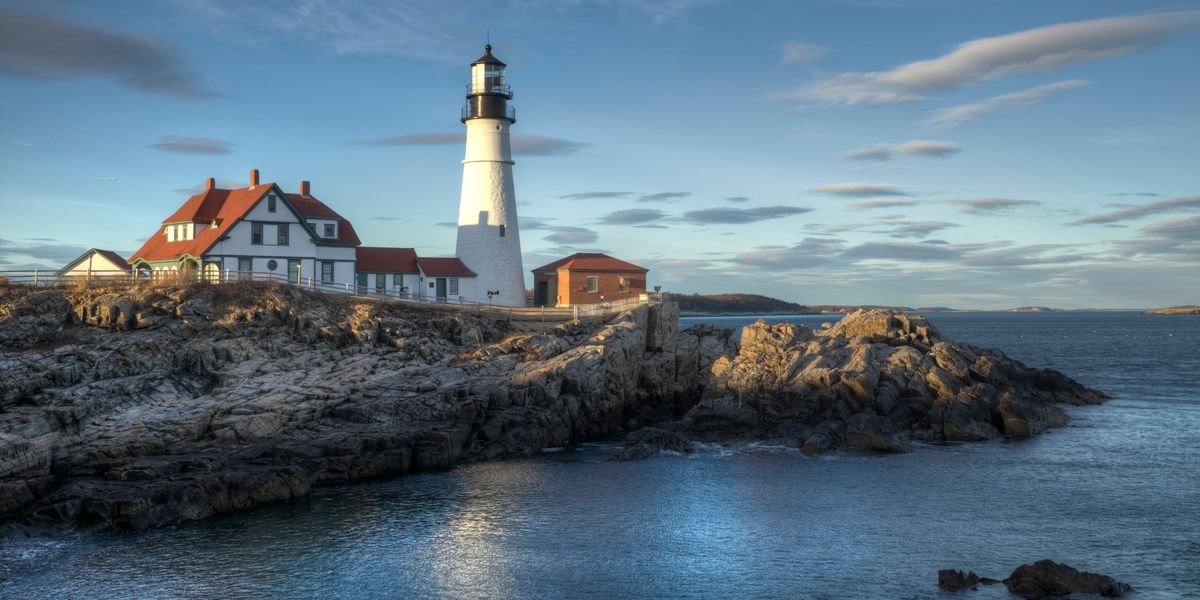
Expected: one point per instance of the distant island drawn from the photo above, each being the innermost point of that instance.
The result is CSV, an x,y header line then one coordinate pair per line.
x,y
739,304
756,304
1033,309
1175,310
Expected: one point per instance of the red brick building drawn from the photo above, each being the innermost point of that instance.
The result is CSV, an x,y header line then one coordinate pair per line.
x,y
587,278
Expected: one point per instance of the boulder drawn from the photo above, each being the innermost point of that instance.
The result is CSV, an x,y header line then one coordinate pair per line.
x,y
1048,579
950,579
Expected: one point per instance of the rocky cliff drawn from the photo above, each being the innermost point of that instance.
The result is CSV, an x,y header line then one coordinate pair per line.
x,y
876,380
141,408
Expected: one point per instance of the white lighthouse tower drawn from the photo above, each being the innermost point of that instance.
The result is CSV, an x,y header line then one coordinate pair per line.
x,y
489,242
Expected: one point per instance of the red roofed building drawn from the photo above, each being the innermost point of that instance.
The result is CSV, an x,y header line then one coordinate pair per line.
x,y
447,278
587,278
261,229
257,229
393,269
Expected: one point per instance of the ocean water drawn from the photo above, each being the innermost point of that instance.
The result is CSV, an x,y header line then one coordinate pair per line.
x,y
1117,492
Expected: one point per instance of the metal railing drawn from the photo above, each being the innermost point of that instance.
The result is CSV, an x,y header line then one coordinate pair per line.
x,y
39,278
468,112
495,88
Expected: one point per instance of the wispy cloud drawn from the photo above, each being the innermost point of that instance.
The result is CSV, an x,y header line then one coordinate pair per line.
x,y
1038,49
872,204
192,145
737,199
522,143
37,252
1187,203
860,189
26,144
729,215
800,52
979,206
108,179
633,216
47,47
594,195
923,148
1142,194
914,229
569,235
954,116
663,196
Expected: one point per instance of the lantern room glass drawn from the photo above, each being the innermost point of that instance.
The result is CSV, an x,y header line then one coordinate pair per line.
x,y
487,78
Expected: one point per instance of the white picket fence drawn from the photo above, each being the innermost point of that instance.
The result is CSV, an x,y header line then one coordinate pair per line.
x,y
41,278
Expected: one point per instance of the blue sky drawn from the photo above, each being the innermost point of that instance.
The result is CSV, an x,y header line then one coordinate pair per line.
x,y
983,154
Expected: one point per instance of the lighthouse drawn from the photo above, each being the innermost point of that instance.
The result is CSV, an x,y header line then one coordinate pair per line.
x,y
489,242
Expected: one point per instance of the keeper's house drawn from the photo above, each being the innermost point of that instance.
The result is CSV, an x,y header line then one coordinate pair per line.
x,y
587,278
262,229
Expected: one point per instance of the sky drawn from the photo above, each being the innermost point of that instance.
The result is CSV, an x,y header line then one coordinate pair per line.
x,y
982,154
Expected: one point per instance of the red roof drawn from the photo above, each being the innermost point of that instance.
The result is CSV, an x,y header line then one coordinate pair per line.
x,y
225,206
369,259
591,261
312,208
444,266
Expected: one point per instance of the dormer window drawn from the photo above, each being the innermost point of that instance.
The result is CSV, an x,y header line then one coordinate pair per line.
x,y
329,230
170,233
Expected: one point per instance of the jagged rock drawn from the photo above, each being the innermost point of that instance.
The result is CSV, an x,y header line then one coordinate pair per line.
x,y
1048,579
950,579
648,441
158,405
887,377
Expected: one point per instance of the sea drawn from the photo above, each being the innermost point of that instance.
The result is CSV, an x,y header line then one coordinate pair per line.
x,y
1117,492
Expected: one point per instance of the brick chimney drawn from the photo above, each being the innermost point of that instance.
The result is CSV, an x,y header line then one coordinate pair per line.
x,y
253,177
304,188
212,183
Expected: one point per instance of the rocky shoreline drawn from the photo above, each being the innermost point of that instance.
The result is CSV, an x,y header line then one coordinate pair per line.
x,y
142,408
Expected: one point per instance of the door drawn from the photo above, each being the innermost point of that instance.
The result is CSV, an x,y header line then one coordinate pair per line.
x,y
361,282
441,289
541,294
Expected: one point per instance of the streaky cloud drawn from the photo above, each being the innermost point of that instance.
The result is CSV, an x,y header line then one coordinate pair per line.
x,y
955,116
1135,212
980,206
193,145
522,143
729,215
1038,49
860,189
923,148
47,47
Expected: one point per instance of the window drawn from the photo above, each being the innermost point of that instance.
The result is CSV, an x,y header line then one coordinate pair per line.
x,y
170,233
282,235
329,230
327,271
454,284
256,233
245,265
593,284
501,231
272,265
380,282
271,203
293,270
623,285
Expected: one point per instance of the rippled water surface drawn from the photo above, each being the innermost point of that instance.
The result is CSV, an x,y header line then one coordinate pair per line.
x,y
1117,491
